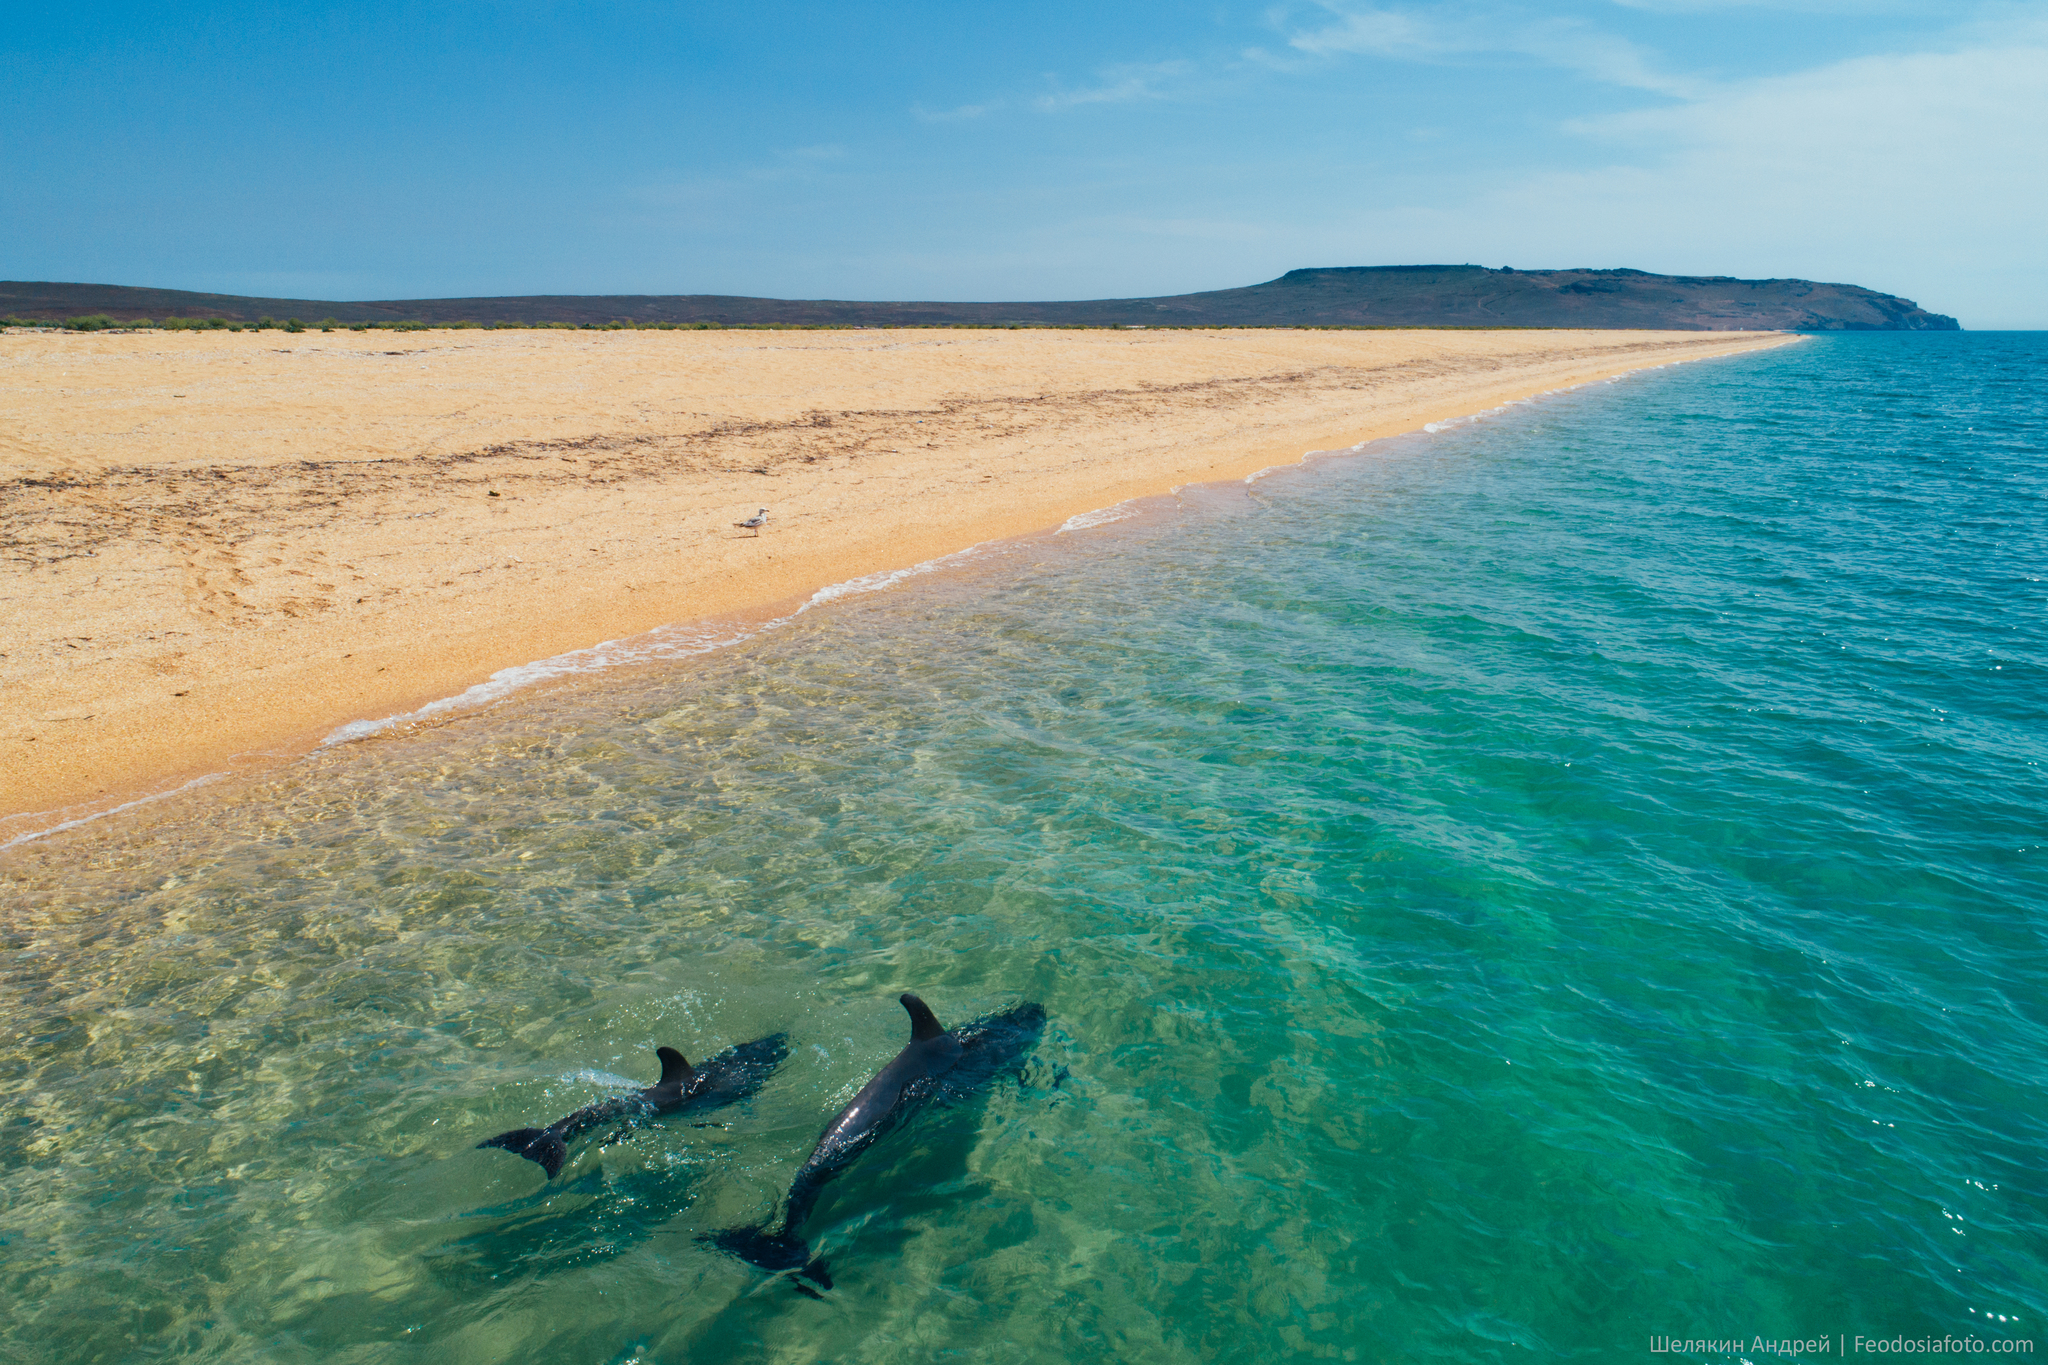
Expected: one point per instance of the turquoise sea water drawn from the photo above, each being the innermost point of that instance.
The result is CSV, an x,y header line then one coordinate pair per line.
x,y
1517,892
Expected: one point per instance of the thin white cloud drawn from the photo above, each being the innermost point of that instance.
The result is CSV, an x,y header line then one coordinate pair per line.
x,y
1439,36
1117,85
1923,174
1273,61
958,114
1384,33
1847,9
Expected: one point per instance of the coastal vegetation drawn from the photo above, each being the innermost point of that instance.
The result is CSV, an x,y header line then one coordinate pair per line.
x,y
99,322
1370,297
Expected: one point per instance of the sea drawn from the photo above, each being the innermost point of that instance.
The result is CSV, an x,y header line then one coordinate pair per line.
x,y
1569,884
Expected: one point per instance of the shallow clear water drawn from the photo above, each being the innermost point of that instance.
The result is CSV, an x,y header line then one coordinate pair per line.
x,y
1570,879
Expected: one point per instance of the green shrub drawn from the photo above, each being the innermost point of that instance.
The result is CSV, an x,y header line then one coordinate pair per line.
x,y
90,322
294,325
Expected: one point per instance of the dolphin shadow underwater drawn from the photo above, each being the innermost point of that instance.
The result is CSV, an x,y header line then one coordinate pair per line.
x,y
582,1220
733,1075
938,1065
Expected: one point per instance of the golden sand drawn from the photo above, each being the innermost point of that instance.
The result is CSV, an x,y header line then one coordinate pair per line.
x,y
220,546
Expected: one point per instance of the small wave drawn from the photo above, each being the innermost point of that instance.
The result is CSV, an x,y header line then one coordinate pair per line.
x,y
1470,417
662,644
110,810
591,1076
665,642
1101,516
881,582
1306,456
1450,422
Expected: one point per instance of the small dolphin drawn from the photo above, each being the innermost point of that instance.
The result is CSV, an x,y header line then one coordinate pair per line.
x,y
732,1075
937,1064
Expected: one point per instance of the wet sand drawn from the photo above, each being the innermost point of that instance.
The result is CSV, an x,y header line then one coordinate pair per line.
x,y
218,547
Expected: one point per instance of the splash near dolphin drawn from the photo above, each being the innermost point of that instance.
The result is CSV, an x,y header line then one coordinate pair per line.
x,y
731,1076
938,1064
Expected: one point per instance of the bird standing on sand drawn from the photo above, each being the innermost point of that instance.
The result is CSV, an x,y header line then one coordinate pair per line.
x,y
755,522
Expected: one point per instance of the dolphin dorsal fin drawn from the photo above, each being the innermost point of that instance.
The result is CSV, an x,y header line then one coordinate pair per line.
x,y
673,1067
923,1023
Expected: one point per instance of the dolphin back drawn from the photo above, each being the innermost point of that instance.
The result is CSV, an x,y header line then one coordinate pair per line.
x,y
991,1046
739,1072
543,1145
733,1075
946,1066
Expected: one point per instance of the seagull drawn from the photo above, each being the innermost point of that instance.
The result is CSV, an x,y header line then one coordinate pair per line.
x,y
755,522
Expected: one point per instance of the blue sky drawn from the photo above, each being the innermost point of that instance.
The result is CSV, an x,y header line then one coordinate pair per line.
x,y
1058,150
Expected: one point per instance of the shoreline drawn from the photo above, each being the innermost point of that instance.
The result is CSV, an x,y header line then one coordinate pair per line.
x,y
1017,455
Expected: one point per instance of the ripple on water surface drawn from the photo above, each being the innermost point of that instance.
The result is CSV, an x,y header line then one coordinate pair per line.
x,y
1567,879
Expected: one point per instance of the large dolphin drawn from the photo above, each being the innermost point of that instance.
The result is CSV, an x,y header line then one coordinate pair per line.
x,y
732,1075
937,1064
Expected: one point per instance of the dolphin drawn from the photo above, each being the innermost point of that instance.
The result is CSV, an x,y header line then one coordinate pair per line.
x,y
937,1064
732,1075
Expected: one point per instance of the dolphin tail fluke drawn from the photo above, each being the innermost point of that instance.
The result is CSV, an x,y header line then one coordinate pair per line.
x,y
759,1247
543,1145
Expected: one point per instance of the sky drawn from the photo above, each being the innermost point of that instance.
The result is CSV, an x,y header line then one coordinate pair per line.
x,y
1058,150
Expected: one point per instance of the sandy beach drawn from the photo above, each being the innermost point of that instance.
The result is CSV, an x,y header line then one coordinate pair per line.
x,y
221,546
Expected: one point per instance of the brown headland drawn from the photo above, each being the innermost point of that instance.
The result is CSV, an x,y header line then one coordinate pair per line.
x,y
1339,296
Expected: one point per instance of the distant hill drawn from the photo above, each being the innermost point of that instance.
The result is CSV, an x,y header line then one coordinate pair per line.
x,y
1343,296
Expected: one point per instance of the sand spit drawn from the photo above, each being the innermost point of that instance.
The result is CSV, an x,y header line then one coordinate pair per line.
x,y
218,547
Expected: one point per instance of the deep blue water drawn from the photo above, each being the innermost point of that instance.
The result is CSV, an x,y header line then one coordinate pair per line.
x,y
1568,880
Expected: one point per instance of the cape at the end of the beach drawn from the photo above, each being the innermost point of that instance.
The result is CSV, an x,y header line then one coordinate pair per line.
x,y
223,546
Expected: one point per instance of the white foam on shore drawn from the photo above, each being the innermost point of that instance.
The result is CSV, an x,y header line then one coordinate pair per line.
x,y
1306,456
1434,427
683,642
880,582
663,643
1101,516
1450,422
62,825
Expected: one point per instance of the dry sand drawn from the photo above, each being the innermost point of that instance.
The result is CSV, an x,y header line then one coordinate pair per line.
x,y
220,546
